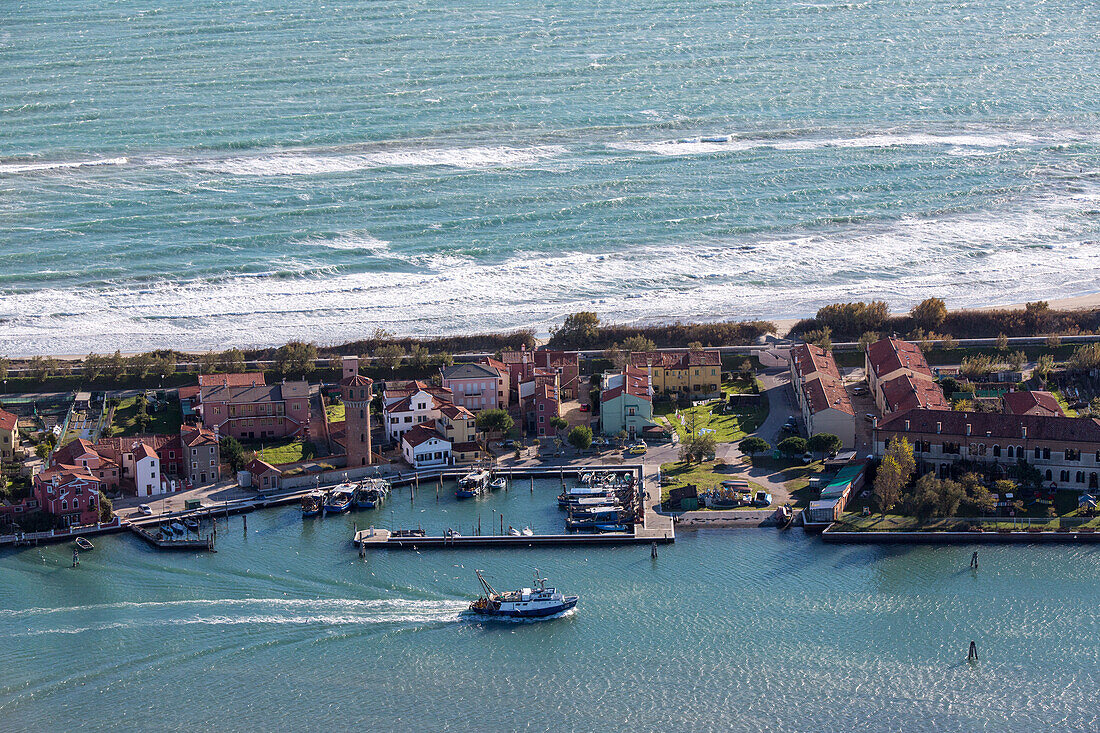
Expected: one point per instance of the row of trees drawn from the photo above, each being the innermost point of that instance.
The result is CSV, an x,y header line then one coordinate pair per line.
x,y
929,496
822,444
584,330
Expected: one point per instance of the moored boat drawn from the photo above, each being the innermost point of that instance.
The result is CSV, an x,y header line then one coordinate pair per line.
x,y
498,483
340,498
311,503
83,543
536,602
471,484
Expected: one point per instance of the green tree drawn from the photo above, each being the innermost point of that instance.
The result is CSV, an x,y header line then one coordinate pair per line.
x,y
888,484
868,338
106,508
115,368
232,453
580,330
825,443
93,366
929,314
1002,342
948,343
232,361
580,437
296,357
1085,357
141,364
142,419
1044,365
445,359
41,367
753,445
638,343
821,337
4,365
389,355
792,446
419,356
1016,360
617,355
209,362
494,421
559,423
1054,341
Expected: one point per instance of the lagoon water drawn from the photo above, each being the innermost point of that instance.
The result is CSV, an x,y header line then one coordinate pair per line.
x,y
286,628
201,173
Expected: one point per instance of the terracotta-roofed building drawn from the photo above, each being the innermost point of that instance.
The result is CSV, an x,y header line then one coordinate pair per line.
x,y
423,447
257,412
694,372
70,493
477,386
890,358
626,403
9,435
521,367
264,476
1065,450
907,392
808,361
1032,403
826,408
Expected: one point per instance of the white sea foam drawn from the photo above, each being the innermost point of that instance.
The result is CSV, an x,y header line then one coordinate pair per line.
x,y
12,168
313,163
708,145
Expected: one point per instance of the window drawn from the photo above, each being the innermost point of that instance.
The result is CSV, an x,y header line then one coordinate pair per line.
x,y
1046,454
1064,476
194,451
64,504
1010,451
1038,453
195,465
1049,475
952,448
1080,477
211,464
1072,454
997,451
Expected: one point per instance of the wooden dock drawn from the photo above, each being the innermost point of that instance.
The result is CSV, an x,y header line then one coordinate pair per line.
x,y
381,539
205,544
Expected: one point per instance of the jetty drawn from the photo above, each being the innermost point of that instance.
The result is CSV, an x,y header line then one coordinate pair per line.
x,y
199,543
653,528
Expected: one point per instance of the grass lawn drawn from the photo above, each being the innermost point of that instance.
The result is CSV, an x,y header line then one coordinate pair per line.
x,y
165,421
335,413
797,480
1070,412
281,450
739,386
707,475
728,428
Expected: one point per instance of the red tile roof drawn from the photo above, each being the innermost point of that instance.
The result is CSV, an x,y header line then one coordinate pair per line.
x,y
143,450
824,392
635,382
889,355
456,411
421,434
808,359
1032,403
192,437
189,392
676,359
906,393
357,380
246,379
997,425
8,421
256,467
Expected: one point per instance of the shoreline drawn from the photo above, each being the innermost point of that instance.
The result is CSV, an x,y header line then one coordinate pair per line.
x,y
783,327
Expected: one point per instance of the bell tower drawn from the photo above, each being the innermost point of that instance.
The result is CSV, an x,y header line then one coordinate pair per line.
x,y
356,392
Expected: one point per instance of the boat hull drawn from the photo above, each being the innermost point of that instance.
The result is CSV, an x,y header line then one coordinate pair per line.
x,y
465,493
337,508
568,603
310,512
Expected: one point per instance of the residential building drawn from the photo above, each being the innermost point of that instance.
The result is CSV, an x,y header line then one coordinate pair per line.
x,y
410,404
1032,403
477,386
820,394
626,403
356,391
264,476
423,447
9,435
521,366
539,402
257,412
459,426
889,359
695,373
70,493
242,379
1065,450
908,392
202,456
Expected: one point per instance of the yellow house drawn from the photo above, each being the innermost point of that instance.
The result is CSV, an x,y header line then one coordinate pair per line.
x,y
695,373
457,424
9,435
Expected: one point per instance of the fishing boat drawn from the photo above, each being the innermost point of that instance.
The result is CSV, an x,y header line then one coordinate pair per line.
x,y
498,483
83,544
340,498
611,527
471,485
311,503
179,528
536,602
371,494
191,524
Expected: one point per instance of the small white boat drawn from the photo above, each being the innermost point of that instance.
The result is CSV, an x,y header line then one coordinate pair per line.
x,y
498,483
527,532
513,532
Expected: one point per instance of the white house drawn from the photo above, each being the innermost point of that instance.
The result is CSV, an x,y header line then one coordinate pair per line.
x,y
147,474
423,447
410,405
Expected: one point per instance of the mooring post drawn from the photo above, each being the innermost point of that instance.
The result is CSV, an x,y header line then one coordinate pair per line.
x,y
972,655
974,560
532,483
362,550
502,523
76,557
244,520
653,551
479,524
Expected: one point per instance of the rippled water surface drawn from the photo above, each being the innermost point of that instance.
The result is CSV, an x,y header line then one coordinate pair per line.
x,y
202,173
727,630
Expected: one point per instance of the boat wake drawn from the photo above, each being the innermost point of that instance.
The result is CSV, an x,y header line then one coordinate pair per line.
x,y
479,618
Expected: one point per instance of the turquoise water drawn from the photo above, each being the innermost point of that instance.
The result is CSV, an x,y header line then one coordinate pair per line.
x,y
206,173
753,630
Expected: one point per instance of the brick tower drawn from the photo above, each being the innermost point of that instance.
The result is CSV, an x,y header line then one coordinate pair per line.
x,y
355,390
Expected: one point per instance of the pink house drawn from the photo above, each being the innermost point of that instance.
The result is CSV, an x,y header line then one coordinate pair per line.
x,y
256,412
70,493
477,386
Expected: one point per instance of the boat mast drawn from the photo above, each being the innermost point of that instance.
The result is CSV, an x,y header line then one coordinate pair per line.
x,y
485,584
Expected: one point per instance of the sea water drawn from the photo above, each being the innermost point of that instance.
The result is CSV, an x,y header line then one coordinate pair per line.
x,y
204,173
286,628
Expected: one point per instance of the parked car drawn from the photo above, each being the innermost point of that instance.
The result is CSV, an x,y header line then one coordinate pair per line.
x,y
859,390
638,449
807,457
601,442
762,499
869,417
145,509
586,408
508,443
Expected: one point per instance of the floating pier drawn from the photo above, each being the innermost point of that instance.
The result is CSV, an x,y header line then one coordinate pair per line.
x,y
202,543
382,539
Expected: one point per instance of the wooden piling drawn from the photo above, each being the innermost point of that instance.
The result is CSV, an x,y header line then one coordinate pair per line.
x,y
653,551
972,655
974,560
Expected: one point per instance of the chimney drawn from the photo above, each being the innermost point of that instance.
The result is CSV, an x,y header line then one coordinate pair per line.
x,y
350,366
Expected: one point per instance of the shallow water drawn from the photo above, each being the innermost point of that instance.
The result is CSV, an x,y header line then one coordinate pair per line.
x,y
727,630
211,173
